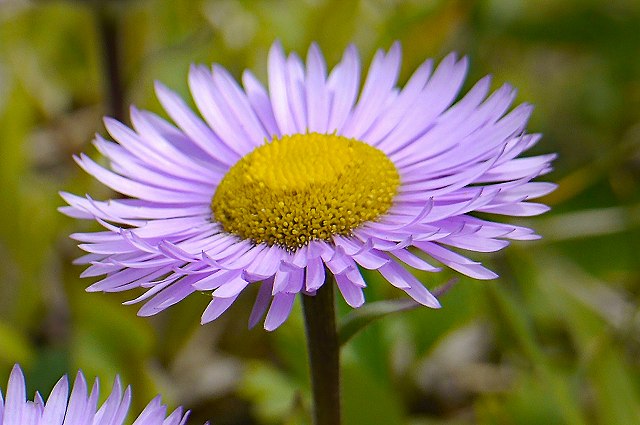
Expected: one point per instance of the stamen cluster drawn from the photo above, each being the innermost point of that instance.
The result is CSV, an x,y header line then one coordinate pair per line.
x,y
305,187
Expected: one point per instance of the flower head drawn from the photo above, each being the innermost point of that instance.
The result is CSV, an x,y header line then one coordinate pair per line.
x,y
312,177
79,408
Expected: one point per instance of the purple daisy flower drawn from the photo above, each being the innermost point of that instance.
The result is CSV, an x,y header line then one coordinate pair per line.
x,y
309,179
78,408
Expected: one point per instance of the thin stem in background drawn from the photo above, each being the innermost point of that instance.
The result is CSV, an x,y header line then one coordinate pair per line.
x,y
324,353
107,15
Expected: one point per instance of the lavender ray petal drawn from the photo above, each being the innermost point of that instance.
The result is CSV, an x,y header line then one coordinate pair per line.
x,y
381,78
295,90
414,261
520,209
343,84
134,169
16,397
351,293
437,95
317,97
279,311
394,116
216,307
401,278
456,261
261,104
135,189
239,106
54,409
278,95
315,274
231,288
199,133
262,302
206,96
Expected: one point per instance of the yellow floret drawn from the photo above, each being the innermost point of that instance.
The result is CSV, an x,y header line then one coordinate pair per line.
x,y
304,187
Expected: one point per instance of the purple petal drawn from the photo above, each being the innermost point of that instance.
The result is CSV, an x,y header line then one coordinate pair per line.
x,y
261,104
316,94
16,397
216,307
201,135
278,90
315,274
279,310
401,278
377,87
343,84
262,303
351,292
456,261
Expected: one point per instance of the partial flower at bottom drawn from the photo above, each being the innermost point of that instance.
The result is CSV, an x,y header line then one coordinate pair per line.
x,y
311,178
79,408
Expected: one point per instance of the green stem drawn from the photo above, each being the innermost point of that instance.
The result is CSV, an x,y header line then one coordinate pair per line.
x,y
324,353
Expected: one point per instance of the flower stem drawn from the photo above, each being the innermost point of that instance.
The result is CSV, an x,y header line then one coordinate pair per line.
x,y
324,353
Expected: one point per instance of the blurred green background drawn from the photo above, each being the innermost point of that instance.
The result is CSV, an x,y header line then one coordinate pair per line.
x,y
555,340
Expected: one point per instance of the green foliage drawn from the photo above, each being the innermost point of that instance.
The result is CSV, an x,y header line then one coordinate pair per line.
x,y
359,319
556,339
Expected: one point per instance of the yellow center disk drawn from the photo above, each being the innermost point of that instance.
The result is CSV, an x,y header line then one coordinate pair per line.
x,y
305,187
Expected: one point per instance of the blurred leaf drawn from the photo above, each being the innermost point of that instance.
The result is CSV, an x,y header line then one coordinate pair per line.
x,y
367,400
615,387
14,347
517,321
359,318
586,303
274,394
529,403
47,369
109,337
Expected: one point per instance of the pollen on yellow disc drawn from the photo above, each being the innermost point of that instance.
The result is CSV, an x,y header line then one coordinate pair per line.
x,y
304,187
